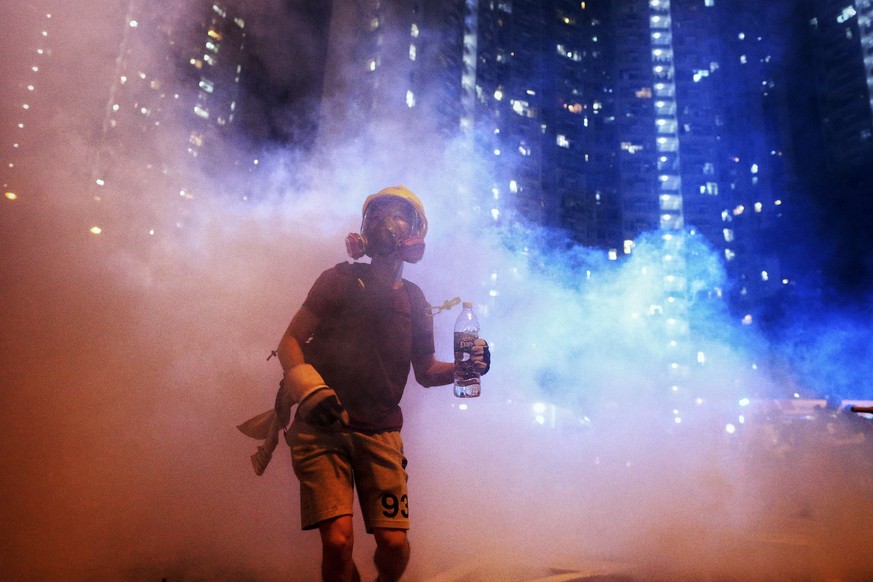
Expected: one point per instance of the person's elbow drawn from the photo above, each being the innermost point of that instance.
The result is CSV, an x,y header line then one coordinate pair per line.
x,y
430,372
426,379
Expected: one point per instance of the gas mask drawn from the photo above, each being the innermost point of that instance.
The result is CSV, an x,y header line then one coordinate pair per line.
x,y
393,223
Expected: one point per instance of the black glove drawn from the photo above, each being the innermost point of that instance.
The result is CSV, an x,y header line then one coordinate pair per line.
x,y
323,409
481,361
317,403
326,413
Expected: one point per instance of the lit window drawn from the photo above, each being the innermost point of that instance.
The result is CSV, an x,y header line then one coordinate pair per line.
x,y
207,86
570,54
728,235
371,65
562,141
214,34
410,99
847,13
209,59
522,108
413,31
412,52
201,112
644,93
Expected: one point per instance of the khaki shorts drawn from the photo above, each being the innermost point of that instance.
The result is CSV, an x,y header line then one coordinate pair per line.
x,y
330,464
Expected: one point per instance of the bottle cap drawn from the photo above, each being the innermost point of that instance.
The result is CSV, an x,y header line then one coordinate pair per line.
x,y
468,304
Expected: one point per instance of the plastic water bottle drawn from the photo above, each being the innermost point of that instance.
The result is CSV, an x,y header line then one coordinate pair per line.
x,y
466,332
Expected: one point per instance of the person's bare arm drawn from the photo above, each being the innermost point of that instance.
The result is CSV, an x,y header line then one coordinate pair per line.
x,y
301,327
318,404
431,372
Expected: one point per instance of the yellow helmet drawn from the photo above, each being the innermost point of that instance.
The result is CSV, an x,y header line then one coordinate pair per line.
x,y
403,193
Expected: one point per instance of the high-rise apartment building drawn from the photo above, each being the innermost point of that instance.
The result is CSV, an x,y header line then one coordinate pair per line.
x,y
839,42
393,62
173,98
26,103
842,34
545,115
606,120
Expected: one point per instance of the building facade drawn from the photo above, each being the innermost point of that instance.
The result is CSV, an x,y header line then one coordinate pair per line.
x,y
26,105
173,100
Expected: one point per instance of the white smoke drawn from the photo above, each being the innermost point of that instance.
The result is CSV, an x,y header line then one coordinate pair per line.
x,y
128,360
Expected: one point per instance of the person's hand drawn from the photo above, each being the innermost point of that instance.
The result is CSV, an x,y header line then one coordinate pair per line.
x,y
324,410
317,403
481,356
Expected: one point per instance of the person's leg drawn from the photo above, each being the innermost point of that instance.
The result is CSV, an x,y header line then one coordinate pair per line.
x,y
392,553
320,462
337,543
380,478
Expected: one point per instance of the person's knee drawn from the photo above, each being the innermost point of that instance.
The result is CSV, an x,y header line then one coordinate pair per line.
x,y
391,540
337,537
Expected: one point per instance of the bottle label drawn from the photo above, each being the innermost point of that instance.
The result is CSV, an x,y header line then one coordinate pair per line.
x,y
465,371
463,345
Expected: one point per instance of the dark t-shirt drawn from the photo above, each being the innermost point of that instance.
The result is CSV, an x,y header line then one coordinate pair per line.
x,y
365,340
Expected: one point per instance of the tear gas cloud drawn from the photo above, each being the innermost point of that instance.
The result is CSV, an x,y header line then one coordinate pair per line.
x,y
129,359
